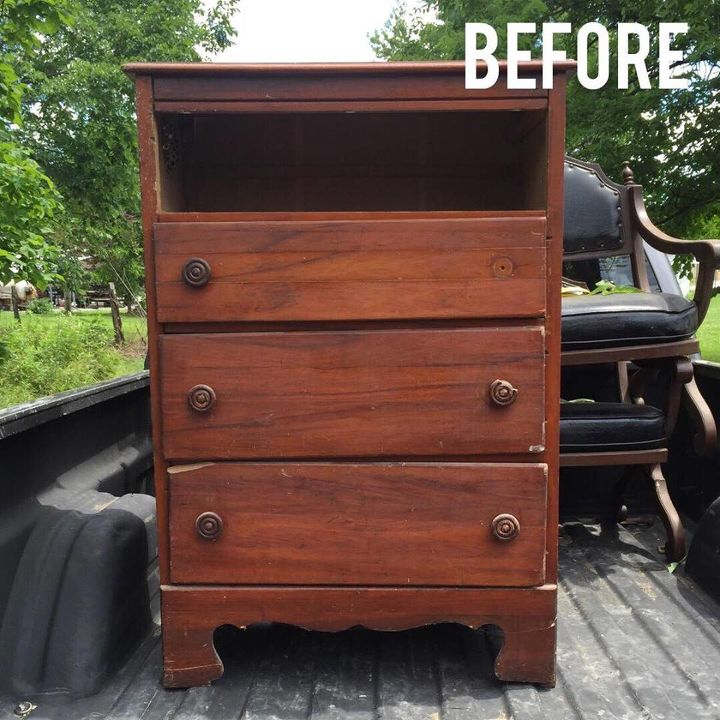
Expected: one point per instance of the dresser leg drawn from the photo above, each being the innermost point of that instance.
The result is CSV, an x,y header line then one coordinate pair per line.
x,y
189,655
528,652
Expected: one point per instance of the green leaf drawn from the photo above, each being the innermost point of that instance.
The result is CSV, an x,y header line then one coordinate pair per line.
x,y
607,287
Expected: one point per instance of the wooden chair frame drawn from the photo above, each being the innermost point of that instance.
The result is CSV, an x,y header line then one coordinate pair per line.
x,y
637,229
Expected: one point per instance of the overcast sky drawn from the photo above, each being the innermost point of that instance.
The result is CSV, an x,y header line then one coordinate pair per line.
x,y
306,30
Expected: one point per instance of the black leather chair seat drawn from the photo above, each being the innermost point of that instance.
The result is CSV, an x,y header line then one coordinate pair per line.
x,y
601,321
606,427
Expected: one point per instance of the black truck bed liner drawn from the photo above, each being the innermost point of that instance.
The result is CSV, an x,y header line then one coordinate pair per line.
x,y
634,641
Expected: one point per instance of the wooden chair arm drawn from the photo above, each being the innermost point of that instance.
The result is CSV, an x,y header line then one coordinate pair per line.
x,y
706,252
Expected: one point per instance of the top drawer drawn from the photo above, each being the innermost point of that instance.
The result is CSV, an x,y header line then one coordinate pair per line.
x,y
364,269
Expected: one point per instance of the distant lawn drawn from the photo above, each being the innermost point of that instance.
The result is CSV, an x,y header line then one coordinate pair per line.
x,y
135,332
47,354
709,334
134,329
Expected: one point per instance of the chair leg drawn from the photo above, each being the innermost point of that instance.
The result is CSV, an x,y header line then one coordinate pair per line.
x,y
682,373
705,440
675,545
619,507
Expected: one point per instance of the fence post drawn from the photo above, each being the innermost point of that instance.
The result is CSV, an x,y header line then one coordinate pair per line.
x,y
115,312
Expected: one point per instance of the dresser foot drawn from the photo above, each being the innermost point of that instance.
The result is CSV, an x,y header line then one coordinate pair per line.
x,y
189,654
528,653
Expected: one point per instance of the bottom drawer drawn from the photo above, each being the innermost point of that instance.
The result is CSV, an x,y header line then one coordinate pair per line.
x,y
358,524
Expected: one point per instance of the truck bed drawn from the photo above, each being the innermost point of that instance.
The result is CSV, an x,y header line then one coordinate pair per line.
x,y
634,641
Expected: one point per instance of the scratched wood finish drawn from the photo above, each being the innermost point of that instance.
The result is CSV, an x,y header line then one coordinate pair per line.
x,y
352,524
353,394
273,89
190,613
365,269
395,81
357,388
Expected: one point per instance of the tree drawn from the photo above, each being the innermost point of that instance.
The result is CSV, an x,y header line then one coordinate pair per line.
x,y
670,136
28,199
80,121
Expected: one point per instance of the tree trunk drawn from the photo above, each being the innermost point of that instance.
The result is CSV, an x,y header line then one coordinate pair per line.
x,y
115,312
67,300
14,302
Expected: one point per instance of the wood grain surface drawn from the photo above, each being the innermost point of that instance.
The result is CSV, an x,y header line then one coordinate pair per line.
x,y
384,393
354,524
525,615
300,83
363,269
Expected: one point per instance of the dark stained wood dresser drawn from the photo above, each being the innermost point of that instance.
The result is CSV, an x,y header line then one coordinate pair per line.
x,y
353,282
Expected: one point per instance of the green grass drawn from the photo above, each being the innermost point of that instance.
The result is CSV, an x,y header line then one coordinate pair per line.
x,y
709,333
46,354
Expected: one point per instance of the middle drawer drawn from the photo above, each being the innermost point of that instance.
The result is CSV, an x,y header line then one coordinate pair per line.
x,y
359,393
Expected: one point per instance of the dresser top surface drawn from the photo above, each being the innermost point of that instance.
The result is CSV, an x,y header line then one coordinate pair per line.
x,y
371,69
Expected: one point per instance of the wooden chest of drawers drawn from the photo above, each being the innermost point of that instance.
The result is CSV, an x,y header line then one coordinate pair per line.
x,y
353,281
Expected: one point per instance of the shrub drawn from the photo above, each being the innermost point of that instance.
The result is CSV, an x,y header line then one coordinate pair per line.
x,y
40,306
44,356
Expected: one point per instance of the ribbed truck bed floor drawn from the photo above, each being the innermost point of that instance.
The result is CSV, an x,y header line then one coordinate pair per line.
x,y
634,641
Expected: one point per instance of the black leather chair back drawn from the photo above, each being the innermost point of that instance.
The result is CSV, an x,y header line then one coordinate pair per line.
x,y
595,212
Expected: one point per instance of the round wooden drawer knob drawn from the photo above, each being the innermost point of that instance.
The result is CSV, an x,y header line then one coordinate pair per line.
x,y
196,272
505,527
502,392
209,525
201,398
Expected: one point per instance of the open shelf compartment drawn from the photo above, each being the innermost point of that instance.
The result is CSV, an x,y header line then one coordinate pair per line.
x,y
331,162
